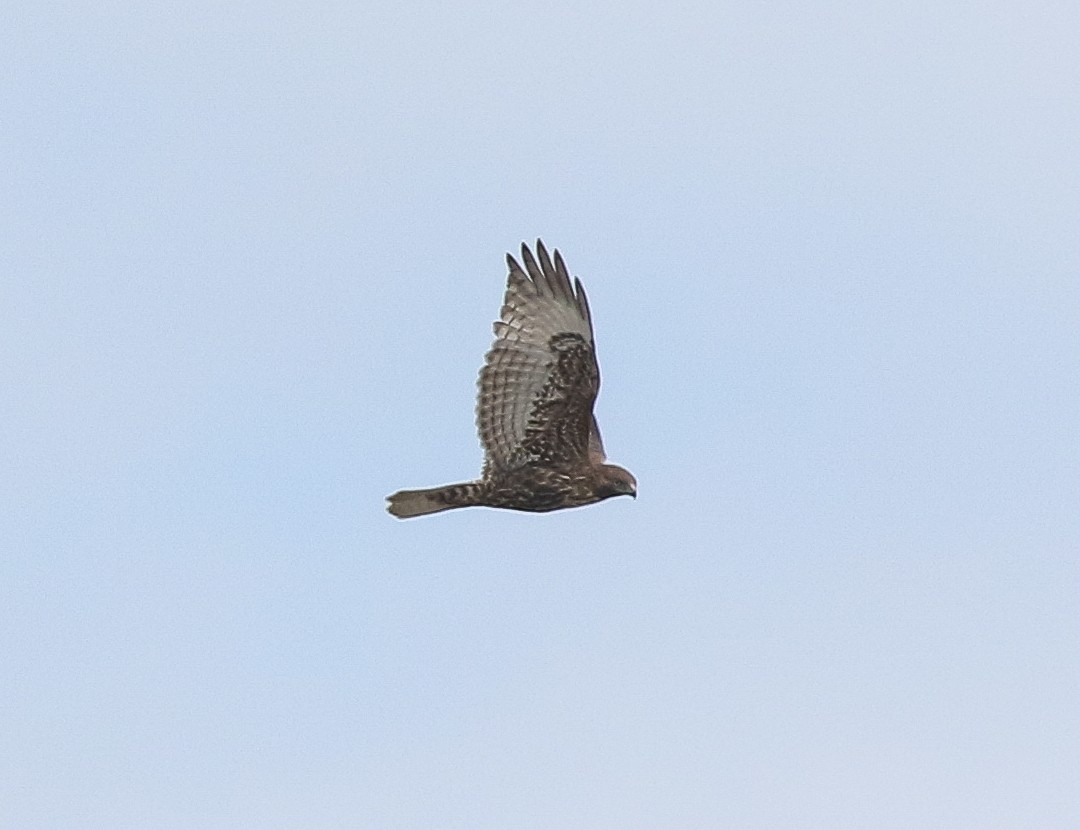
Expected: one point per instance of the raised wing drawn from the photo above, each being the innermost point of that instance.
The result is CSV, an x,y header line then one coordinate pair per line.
x,y
540,377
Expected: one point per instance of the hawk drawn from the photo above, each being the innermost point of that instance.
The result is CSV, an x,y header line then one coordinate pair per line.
x,y
534,411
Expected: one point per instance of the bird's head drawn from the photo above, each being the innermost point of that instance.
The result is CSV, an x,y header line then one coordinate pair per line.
x,y
615,481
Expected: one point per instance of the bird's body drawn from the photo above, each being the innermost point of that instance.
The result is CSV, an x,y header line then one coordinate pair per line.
x,y
530,490
534,413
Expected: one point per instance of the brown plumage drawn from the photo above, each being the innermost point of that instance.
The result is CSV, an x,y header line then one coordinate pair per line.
x,y
534,412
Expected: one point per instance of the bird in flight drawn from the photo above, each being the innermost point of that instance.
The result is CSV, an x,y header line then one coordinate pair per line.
x,y
534,411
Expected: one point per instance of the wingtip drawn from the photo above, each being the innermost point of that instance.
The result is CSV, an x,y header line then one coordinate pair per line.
x,y
582,300
546,275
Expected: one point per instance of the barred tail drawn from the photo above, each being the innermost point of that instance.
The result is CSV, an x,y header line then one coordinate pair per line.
x,y
408,503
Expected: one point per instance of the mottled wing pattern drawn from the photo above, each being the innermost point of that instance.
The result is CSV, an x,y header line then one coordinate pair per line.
x,y
540,377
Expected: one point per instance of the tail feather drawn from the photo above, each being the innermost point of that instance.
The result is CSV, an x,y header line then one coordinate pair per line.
x,y
405,504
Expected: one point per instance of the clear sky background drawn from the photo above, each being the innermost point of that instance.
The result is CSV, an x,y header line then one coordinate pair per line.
x,y
250,257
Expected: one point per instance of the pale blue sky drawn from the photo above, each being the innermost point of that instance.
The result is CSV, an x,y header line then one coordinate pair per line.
x,y
251,255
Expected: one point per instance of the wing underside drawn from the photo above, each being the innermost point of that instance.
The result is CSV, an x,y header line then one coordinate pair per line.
x,y
540,378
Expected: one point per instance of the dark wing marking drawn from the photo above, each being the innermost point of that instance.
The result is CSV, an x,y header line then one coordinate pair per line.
x,y
558,428
540,377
